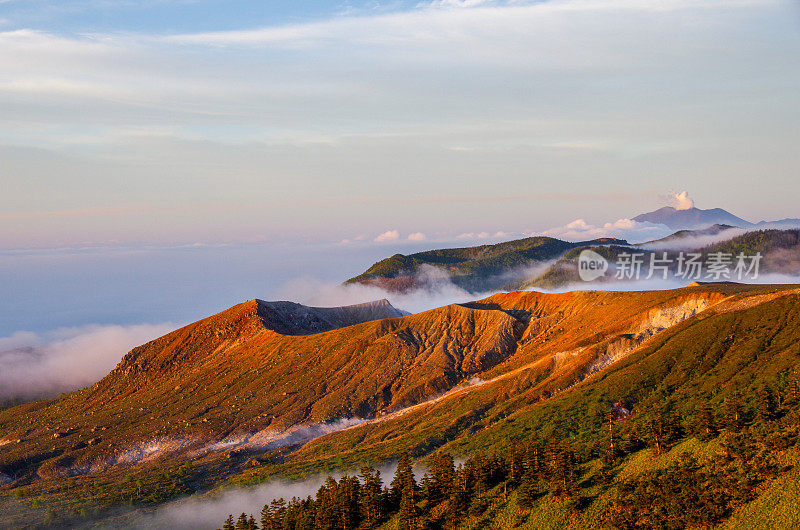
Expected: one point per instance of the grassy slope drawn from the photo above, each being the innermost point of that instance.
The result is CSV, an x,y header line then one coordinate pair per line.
x,y
698,359
695,361
776,507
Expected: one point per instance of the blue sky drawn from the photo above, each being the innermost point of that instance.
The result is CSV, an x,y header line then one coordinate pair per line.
x,y
207,144
179,122
175,16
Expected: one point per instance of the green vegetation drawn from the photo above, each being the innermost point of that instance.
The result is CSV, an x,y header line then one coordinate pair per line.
x,y
721,386
697,484
780,250
476,269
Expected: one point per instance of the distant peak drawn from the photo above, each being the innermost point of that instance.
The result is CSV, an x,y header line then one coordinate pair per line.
x,y
691,218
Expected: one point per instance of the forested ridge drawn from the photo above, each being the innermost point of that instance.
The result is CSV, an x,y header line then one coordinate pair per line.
x,y
749,432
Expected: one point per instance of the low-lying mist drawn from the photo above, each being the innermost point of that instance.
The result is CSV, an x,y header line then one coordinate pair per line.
x,y
436,289
210,510
695,241
42,365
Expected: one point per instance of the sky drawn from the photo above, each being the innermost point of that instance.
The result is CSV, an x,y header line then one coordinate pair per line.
x,y
163,159
176,122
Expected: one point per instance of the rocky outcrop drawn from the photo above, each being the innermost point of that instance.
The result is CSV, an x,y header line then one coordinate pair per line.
x,y
289,318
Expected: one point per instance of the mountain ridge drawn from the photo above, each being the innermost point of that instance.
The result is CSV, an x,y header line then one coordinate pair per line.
x,y
691,218
226,390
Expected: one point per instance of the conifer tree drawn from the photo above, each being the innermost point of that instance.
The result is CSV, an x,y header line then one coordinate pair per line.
x,y
229,524
372,503
425,487
458,502
655,433
402,476
408,504
346,502
442,477
241,522
612,449
266,518
632,441
325,516
527,492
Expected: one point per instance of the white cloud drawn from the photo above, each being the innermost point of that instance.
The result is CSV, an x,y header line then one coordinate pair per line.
x,y
389,235
682,201
438,25
457,3
627,229
417,236
37,365
436,291
487,235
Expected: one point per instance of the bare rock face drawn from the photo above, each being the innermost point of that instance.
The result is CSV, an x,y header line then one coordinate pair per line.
x,y
289,318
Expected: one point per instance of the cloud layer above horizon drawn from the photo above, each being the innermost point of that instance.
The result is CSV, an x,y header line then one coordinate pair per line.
x,y
36,365
446,117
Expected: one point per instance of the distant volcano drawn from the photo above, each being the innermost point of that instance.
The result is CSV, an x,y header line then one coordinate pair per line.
x,y
692,218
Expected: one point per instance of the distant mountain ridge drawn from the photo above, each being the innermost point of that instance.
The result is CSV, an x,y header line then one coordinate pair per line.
x,y
476,269
697,219
518,264
780,251
692,218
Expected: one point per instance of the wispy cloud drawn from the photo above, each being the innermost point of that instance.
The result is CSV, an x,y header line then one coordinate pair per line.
x,y
531,106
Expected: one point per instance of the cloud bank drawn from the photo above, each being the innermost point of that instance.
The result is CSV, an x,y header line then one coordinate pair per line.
x,y
627,229
41,365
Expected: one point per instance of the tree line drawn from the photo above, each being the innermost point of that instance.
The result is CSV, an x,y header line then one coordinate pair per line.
x,y
686,493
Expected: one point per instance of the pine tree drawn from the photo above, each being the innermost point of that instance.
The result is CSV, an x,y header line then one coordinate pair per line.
x,y
425,487
229,524
612,449
266,518
346,501
325,516
442,477
401,477
408,504
372,503
459,498
528,491
633,440
515,465
655,433
241,522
